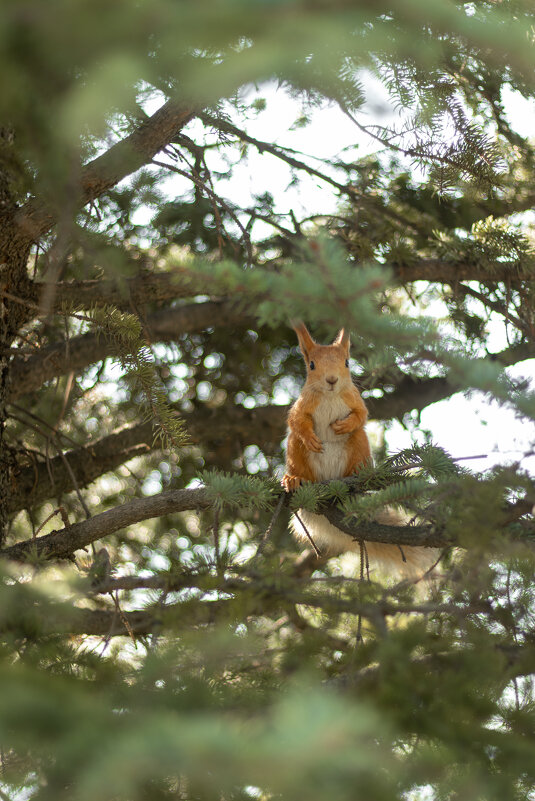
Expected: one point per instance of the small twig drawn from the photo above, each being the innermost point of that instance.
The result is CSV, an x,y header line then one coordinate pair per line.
x,y
47,425
367,561
66,396
269,529
73,479
192,176
305,529
39,309
412,581
359,618
215,530
59,511
124,619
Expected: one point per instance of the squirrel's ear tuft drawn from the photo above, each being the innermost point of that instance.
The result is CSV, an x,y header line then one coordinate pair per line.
x,y
342,339
306,343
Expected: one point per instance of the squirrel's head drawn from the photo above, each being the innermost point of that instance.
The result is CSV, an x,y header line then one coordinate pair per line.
x,y
327,365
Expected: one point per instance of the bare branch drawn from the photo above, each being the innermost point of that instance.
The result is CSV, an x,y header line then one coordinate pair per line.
x,y
36,217
411,393
109,623
145,287
426,536
518,660
445,272
62,544
45,479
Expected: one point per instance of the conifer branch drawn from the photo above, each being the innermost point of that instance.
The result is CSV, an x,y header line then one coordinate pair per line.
x,y
37,216
28,374
44,479
225,432
145,287
63,543
150,287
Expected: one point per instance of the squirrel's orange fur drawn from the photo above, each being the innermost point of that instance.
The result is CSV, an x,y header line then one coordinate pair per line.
x,y
327,440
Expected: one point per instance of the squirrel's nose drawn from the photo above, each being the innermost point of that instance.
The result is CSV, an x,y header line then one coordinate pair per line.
x,y
331,379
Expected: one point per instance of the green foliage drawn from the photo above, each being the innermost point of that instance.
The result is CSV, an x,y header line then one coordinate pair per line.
x,y
293,290
246,492
369,505
492,243
125,331
428,459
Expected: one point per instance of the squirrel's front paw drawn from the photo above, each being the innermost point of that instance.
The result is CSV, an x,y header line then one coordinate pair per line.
x,y
291,483
343,426
313,443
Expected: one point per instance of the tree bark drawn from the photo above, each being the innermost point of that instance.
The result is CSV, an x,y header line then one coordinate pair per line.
x,y
74,355
37,216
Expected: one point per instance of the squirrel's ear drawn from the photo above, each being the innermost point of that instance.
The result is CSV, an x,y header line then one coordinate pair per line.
x,y
306,343
343,339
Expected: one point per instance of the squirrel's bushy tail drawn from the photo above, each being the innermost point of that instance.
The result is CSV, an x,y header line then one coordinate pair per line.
x,y
405,561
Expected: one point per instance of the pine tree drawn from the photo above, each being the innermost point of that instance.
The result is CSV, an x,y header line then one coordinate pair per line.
x,y
162,635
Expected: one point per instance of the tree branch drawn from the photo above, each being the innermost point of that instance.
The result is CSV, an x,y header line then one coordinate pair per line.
x,y
36,217
109,623
222,432
444,272
28,375
426,536
145,287
45,479
411,393
150,287
63,543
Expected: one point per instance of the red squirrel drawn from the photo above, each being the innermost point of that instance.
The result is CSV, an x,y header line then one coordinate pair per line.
x,y
327,440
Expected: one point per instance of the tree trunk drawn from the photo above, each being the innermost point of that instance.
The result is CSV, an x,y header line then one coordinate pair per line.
x,y
14,283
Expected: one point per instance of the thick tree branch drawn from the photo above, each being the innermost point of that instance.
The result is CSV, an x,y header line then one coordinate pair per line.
x,y
28,375
223,434
119,622
36,217
411,393
444,272
426,536
518,660
149,287
46,479
145,287
63,543
258,597
111,623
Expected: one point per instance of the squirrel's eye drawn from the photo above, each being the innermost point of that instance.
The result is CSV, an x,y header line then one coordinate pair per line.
x,y
347,362
312,366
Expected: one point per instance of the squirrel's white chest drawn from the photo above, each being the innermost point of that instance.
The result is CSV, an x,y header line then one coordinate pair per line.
x,y
331,463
